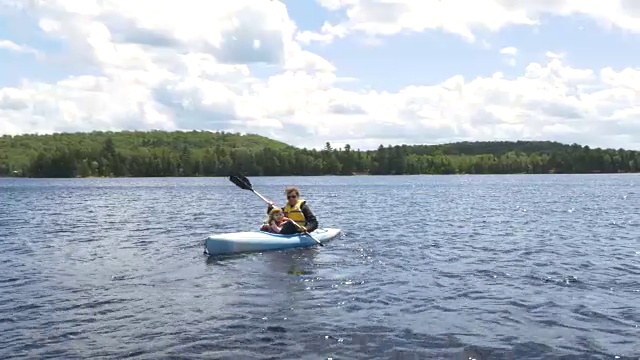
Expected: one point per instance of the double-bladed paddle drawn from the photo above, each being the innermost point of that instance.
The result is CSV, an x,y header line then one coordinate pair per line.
x,y
243,183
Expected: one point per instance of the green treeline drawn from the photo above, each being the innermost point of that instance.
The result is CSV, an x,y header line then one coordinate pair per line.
x,y
200,153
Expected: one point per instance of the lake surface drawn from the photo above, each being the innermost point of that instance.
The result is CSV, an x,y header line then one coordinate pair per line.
x,y
428,267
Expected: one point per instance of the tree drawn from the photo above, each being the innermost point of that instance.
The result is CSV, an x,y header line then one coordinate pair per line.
x,y
199,153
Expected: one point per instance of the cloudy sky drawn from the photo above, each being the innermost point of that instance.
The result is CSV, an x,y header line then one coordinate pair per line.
x,y
363,72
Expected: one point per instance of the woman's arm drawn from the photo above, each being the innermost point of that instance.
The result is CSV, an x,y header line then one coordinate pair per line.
x,y
311,220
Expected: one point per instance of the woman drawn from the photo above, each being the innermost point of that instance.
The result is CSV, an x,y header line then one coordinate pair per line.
x,y
296,210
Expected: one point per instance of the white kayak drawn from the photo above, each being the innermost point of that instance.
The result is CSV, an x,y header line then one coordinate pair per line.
x,y
249,241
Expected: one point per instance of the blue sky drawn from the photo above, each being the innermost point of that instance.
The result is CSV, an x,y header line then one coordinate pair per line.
x,y
15,66
434,56
390,64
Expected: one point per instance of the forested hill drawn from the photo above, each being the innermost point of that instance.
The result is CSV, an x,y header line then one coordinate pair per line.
x,y
490,147
201,153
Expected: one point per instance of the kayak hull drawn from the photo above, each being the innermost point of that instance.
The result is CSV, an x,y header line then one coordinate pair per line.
x,y
252,241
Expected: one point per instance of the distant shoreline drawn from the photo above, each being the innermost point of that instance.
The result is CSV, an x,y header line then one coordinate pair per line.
x,y
325,175
156,154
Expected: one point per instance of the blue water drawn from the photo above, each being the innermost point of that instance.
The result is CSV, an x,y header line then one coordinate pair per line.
x,y
428,267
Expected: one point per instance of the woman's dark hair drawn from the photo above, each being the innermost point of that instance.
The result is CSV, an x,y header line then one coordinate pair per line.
x,y
292,189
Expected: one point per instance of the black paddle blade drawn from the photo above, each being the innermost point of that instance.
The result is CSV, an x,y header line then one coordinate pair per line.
x,y
244,179
241,182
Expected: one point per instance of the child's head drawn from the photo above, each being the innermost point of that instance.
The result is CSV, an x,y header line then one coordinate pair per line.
x,y
275,214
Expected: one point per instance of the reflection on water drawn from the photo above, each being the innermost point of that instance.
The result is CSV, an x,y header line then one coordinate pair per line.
x,y
427,267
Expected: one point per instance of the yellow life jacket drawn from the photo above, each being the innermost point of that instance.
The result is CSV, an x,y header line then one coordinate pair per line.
x,y
294,213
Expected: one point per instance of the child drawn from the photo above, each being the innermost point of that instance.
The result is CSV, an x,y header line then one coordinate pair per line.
x,y
275,221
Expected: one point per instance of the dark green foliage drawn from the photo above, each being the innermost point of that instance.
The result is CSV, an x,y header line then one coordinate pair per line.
x,y
199,153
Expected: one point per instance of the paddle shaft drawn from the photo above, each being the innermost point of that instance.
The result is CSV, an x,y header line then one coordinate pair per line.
x,y
244,183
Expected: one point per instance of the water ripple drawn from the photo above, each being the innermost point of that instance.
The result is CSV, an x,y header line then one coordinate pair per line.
x,y
437,267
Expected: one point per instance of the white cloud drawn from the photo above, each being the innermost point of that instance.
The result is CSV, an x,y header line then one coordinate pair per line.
x,y
168,65
12,46
509,50
552,55
464,17
326,35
